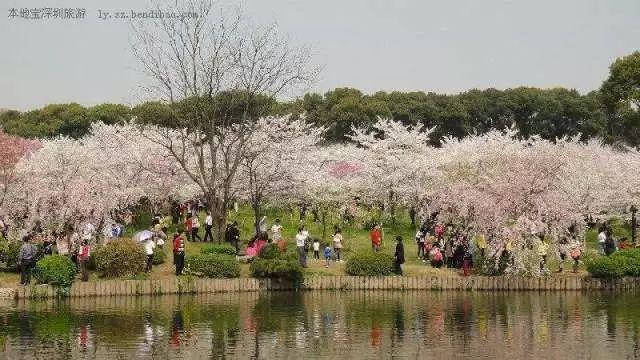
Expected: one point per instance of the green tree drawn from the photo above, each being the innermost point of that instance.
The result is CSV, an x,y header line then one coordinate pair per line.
x,y
621,98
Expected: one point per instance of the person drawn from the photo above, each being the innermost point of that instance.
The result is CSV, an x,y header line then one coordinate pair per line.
x,y
85,253
543,249
448,252
337,244
575,254
563,249
178,253
467,258
208,225
376,238
188,226
47,245
276,231
26,259
327,255
149,245
609,244
232,236
262,224
115,231
301,238
161,235
602,238
481,243
195,227
420,235
316,249
88,231
398,258
436,257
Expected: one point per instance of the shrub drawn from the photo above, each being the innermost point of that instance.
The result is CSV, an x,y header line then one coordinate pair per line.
x,y
269,251
55,270
120,258
370,264
159,256
281,267
213,266
223,249
9,253
607,267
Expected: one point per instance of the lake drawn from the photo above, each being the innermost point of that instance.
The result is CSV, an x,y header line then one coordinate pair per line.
x,y
315,324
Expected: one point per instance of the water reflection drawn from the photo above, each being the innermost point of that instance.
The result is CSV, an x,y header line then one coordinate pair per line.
x,y
326,325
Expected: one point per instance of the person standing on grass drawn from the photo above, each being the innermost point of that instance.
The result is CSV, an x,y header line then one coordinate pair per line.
x,y
178,253
602,238
316,249
276,231
195,227
85,254
26,259
188,226
610,244
149,245
233,236
208,225
301,238
337,244
376,238
327,255
398,257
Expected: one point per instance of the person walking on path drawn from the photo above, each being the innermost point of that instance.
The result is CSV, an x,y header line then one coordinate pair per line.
x,y
178,253
301,238
195,227
208,225
188,226
26,259
398,258
316,249
149,245
337,244
84,255
420,236
376,238
327,255
602,238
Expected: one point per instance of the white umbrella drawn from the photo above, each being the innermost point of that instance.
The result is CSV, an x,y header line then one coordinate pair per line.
x,y
143,235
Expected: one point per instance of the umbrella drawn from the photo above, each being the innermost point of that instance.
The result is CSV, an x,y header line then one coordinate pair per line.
x,y
143,235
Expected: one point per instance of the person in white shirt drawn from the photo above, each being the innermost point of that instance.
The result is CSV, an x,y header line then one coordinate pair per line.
x,y
602,238
276,231
337,244
301,238
316,249
149,245
195,227
208,224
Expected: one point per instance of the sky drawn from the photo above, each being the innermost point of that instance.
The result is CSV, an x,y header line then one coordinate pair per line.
x,y
406,45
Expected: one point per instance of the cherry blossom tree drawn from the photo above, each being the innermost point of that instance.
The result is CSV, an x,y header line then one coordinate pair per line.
x,y
12,149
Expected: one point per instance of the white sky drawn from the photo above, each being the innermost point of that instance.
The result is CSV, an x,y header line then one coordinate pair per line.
x,y
441,46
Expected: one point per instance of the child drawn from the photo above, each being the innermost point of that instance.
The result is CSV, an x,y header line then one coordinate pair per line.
x,y
327,255
316,249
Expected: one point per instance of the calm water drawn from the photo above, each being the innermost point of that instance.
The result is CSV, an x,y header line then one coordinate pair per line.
x,y
327,325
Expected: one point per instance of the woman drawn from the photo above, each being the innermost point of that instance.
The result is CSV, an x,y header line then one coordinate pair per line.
x,y
575,254
337,244
398,256
178,253
85,253
195,227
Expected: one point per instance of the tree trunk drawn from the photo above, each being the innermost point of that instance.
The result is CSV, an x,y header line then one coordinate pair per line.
x,y
219,214
257,213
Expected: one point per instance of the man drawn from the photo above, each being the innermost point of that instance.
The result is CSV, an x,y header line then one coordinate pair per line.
x,y
208,224
234,236
149,245
276,231
398,258
376,238
178,253
301,238
26,259
602,238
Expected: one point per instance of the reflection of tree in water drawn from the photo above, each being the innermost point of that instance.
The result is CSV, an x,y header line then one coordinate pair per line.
x,y
275,312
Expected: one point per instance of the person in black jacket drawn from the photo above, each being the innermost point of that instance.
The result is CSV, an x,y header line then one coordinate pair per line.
x,y
398,258
232,236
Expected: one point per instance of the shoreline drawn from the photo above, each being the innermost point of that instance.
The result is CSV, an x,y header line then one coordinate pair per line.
x,y
193,285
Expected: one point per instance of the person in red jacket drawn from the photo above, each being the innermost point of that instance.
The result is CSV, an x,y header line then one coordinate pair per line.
x,y
178,253
376,238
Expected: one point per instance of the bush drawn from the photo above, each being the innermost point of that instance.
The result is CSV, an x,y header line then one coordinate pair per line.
x,y
120,258
9,251
370,264
281,268
222,249
269,251
213,266
55,270
607,267
159,256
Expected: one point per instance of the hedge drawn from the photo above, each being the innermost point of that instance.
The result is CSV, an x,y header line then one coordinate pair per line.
x,y
122,257
159,256
370,264
222,249
271,263
55,270
619,264
9,251
213,266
